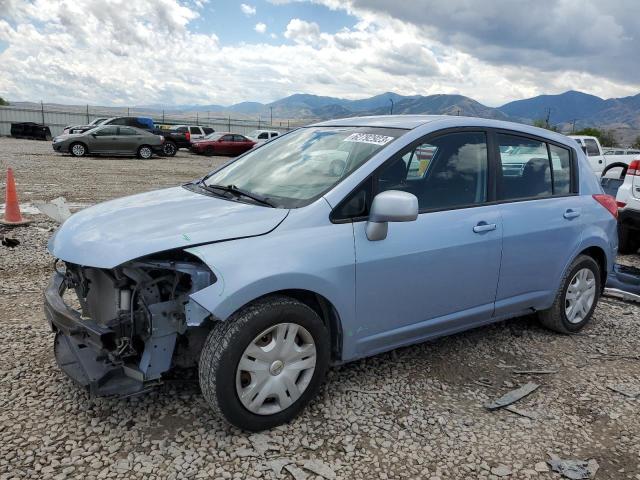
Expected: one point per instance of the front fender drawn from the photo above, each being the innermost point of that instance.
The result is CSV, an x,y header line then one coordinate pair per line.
x,y
316,258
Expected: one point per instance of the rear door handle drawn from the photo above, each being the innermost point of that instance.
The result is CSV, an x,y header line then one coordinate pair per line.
x,y
484,227
571,213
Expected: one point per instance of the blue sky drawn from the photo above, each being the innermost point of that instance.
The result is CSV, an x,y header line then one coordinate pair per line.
x,y
176,52
227,20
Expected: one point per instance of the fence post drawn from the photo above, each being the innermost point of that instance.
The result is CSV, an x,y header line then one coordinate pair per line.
x,y
87,113
229,123
197,119
42,110
162,116
127,111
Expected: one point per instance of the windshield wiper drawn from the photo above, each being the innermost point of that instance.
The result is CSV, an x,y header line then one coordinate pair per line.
x,y
239,192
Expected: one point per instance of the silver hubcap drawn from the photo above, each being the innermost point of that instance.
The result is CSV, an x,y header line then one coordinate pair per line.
x,y
78,150
580,295
145,152
276,368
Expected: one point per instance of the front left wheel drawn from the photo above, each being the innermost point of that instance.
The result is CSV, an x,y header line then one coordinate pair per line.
x,y
259,368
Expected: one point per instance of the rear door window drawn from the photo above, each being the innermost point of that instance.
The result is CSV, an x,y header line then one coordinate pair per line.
x,y
531,168
127,131
107,131
263,136
194,130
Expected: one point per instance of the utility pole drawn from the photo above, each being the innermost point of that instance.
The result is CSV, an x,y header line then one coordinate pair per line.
x,y
87,113
271,121
391,110
573,128
127,111
162,116
548,117
42,110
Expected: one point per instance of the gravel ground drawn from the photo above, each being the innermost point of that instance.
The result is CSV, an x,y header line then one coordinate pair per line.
x,y
416,412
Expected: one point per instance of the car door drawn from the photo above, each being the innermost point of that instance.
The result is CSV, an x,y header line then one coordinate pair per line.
x,y
104,140
437,274
196,133
129,139
240,144
225,146
541,216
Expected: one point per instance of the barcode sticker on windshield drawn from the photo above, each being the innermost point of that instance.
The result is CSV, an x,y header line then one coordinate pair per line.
x,y
368,138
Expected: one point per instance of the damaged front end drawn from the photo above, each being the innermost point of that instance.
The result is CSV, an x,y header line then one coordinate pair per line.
x,y
118,330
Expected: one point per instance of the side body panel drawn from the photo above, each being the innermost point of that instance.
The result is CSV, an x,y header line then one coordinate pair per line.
x,y
427,277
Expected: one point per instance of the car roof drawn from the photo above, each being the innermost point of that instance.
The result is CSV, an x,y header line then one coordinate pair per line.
x,y
410,122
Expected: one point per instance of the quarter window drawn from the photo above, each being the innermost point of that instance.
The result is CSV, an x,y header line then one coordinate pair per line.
x,y
561,170
449,171
592,147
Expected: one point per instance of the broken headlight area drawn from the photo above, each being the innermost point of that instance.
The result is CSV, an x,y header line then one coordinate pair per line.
x,y
119,330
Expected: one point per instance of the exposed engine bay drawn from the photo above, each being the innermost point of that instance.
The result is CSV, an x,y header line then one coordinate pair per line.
x,y
118,330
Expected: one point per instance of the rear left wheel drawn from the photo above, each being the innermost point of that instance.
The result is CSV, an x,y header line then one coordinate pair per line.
x,y
261,367
576,299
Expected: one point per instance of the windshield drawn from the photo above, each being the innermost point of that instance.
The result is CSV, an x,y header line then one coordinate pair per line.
x,y
213,136
254,134
295,169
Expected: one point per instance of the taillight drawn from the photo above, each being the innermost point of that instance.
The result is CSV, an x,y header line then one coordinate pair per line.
x,y
608,202
634,168
188,136
621,204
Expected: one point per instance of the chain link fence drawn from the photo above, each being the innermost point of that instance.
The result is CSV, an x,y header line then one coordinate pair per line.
x,y
56,117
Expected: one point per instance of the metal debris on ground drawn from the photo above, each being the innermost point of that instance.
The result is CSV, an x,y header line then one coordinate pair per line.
x,y
574,469
57,209
536,372
10,242
513,396
522,413
624,390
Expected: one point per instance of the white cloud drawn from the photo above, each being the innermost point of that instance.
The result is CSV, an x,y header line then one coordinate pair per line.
x,y
301,31
260,27
247,9
106,52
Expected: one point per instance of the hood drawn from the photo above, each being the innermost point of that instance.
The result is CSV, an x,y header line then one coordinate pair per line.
x,y
111,233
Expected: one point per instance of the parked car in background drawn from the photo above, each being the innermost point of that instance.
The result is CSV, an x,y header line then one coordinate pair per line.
x,y
269,269
628,200
145,123
179,136
111,140
600,162
222,144
94,123
261,136
193,132
622,151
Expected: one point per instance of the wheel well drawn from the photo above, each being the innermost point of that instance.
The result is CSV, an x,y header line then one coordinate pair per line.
x,y
612,166
325,310
599,256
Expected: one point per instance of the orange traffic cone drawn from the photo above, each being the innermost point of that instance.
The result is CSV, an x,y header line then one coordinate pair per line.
x,y
12,215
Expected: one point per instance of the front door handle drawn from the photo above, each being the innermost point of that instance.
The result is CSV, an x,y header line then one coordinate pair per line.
x,y
484,227
571,213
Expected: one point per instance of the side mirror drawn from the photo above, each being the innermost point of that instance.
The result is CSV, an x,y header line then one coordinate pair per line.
x,y
390,206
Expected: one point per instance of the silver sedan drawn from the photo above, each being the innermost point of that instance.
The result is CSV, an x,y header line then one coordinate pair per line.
x,y
112,140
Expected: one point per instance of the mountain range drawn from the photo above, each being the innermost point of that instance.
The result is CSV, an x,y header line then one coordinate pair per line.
x,y
563,109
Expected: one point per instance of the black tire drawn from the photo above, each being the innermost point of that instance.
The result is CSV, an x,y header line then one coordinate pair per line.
x,y
145,152
628,240
555,318
78,149
209,151
169,149
226,344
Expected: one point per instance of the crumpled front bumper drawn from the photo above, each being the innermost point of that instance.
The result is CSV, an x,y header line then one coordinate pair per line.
x,y
82,348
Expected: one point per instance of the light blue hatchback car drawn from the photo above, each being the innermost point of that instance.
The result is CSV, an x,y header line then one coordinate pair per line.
x,y
331,243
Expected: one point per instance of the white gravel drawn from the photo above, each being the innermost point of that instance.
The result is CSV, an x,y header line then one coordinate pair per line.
x,y
417,412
